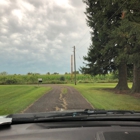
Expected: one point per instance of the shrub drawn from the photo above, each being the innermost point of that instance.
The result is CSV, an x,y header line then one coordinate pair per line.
x,y
62,78
11,81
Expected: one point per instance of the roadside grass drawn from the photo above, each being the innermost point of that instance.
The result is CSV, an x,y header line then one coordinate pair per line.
x,y
101,98
15,98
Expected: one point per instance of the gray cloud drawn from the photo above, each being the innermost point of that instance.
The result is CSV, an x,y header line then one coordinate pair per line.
x,y
38,36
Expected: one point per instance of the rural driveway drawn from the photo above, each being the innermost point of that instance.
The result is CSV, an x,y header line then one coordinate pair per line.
x,y
61,97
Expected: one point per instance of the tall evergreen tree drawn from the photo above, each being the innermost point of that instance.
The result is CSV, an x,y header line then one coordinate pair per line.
x,y
103,17
128,36
119,41
134,41
115,39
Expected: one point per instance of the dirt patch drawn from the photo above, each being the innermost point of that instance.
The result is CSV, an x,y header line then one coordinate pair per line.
x,y
59,98
63,99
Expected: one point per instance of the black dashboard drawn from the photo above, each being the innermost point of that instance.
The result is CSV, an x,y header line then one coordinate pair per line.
x,y
72,130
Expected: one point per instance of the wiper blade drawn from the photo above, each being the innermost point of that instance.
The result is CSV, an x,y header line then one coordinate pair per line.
x,y
54,115
87,114
92,111
60,114
5,121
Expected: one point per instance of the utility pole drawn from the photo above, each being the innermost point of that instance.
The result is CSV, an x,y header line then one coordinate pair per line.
x,y
74,65
71,67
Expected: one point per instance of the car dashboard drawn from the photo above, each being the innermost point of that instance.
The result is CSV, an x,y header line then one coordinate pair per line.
x,y
72,130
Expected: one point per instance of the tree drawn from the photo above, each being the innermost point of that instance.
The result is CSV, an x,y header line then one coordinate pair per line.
x,y
56,73
62,78
135,58
36,73
115,39
4,73
94,56
128,35
29,73
103,52
119,41
134,41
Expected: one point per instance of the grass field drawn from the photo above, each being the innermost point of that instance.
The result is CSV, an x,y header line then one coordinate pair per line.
x,y
13,98
102,99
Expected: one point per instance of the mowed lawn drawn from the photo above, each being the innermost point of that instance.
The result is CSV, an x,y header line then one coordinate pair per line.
x,y
14,99
101,98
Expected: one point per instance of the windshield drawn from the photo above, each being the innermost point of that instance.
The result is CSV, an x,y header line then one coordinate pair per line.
x,y
69,55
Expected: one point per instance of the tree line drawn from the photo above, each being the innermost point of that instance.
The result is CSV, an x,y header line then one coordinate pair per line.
x,y
31,73
115,40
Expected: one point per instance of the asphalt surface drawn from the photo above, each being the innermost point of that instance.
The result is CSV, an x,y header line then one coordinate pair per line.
x,y
59,98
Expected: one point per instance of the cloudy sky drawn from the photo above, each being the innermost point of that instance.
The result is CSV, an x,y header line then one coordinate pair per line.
x,y
38,35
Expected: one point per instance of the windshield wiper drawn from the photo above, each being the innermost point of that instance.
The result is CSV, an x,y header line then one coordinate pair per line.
x,y
5,121
87,114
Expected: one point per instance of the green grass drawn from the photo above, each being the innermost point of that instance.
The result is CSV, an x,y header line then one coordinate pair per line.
x,y
102,99
14,99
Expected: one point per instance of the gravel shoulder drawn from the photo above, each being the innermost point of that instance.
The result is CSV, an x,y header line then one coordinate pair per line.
x,y
61,97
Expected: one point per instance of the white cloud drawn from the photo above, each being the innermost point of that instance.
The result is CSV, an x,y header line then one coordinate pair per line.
x,y
4,2
63,3
25,6
17,13
39,35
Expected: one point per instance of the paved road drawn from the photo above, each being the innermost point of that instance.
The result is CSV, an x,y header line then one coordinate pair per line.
x,y
59,98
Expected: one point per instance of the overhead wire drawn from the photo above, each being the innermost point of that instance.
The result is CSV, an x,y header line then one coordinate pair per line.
x,y
107,20
84,34
112,15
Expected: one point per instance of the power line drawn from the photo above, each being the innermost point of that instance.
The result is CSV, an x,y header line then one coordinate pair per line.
x,y
100,29
80,58
114,13
83,45
109,18
83,35
88,30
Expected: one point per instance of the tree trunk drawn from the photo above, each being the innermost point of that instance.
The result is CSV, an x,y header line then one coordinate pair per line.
x,y
122,84
136,79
